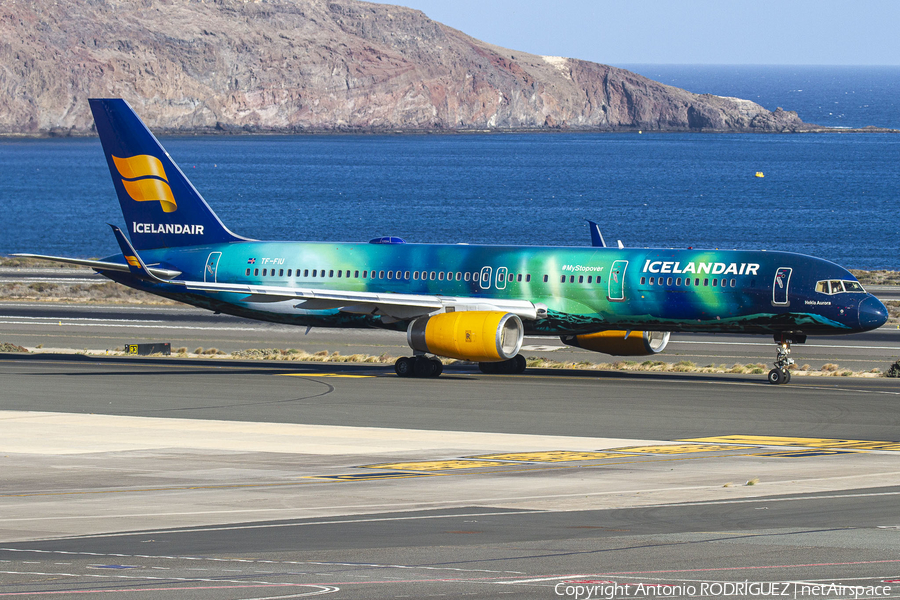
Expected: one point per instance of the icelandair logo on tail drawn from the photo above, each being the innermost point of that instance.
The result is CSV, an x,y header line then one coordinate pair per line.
x,y
145,180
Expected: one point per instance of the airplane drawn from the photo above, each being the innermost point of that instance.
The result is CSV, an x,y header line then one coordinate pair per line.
x,y
468,302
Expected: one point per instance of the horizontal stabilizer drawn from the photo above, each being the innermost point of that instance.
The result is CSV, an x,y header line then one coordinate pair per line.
x,y
102,265
135,264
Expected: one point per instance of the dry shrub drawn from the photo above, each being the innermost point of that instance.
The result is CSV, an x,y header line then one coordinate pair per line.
x,y
7,347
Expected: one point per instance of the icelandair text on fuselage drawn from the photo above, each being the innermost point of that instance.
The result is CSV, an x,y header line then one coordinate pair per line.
x,y
167,228
658,266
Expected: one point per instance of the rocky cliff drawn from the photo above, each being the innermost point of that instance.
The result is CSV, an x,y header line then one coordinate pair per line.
x,y
317,65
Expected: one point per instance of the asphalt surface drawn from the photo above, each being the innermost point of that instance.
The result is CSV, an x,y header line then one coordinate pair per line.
x,y
108,327
170,477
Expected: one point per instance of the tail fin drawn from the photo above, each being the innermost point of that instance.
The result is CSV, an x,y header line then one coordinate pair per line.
x,y
161,207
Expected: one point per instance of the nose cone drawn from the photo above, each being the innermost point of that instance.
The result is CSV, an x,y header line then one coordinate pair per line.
x,y
872,313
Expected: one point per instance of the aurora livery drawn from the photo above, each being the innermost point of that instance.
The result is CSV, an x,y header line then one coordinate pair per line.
x,y
461,301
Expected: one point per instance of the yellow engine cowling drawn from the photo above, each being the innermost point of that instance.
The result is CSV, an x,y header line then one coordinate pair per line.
x,y
475,335
620,343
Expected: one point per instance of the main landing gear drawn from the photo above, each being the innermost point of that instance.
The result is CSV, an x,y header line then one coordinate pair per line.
x,y
513,366
781,373
418,366
422,366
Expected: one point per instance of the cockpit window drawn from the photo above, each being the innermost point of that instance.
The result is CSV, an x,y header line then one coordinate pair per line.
x,y
836,286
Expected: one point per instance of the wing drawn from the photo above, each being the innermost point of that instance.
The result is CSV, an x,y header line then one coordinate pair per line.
x,y
398,306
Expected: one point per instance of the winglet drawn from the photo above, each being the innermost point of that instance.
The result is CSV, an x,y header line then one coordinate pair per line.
x,y
596,237
135,263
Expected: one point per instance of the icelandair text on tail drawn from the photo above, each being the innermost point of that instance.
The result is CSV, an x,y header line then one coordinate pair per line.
x,y
167,228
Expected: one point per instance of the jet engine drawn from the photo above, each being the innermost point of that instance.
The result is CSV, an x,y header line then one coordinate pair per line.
x,y
620,343
476,335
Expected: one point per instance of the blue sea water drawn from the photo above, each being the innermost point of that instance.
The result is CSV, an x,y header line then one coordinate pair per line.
x,y
832,96
829,195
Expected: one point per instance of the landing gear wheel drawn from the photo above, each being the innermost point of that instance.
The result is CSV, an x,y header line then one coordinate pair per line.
x,y
438,368
488,368
404,366
780,374
520,363
424,367
776,377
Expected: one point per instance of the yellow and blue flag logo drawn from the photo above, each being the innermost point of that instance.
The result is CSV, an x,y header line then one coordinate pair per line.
x,y
145,180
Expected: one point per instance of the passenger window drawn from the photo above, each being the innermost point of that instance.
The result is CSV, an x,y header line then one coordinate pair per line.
x,y
390,274
431,276
289,272
248,270
475,276
264,272
406,275
652,279
546,278
330,273
281,272
643,280
571,279
356,274
687,281
415,274
339,273
733,282
459,276
669,281
467,276
706,282
697,281
511,277
365,275
306,272
581,279
590,278
256,272
562,279
678,281
518,277
527,278
441,276
380,274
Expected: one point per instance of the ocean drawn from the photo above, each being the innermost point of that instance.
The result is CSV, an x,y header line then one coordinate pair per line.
x,y
829,195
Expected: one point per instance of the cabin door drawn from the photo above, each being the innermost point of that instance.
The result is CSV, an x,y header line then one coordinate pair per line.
x,y
780,287
617,280
212,267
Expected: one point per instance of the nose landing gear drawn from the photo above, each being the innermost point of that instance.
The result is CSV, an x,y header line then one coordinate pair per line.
x,y
781,374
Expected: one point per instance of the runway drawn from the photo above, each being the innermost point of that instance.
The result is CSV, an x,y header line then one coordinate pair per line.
x,y
251,479
98,327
